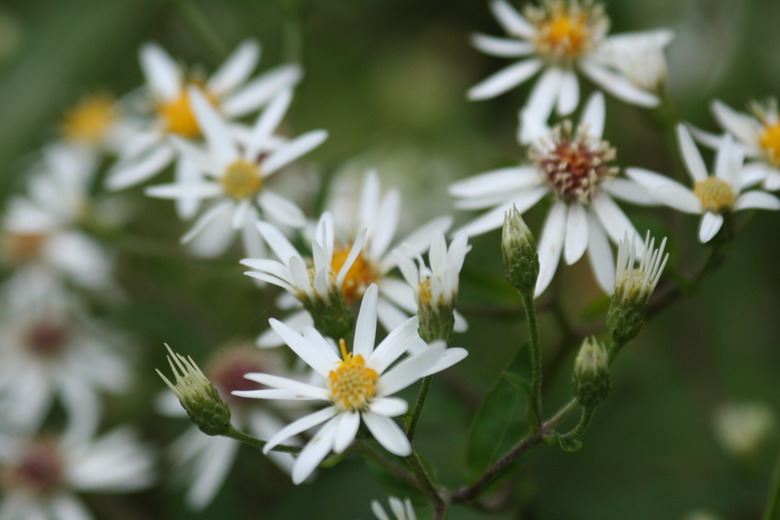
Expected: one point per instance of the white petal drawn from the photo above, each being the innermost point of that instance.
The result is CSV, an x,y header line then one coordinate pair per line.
x,y
668,191
618,86
772,181
214,128
495,181
410,369
357,247
388,433
757,200
709,227
250,238
365,329
569,94
282,383
753,173
236,69
291,150
399,293
394,345
511,20
594,114
212,233
450,357
196,190
545,92
160,71
346,429
505,79
576,233
501,47
550,245
314,452
268,122
186,172
204,220
742,126
629,191
321,360
124,175
278,243
386,224
614,220
369,199
282,210
389,316
260,90
691,155
389,406
494,219
420,239
600,255
211,472
301,425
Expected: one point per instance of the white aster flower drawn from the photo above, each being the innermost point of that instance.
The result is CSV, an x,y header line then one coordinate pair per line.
x,y
39,478
400,509
573,166
758,135
563,37
229,89
41,226
99,124
358,386
376,217
234,177
743,428
635,284
436,287
204,461
51,350
712,196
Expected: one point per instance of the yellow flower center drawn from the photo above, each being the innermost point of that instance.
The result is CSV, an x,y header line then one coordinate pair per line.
x,y
425,293
24,247
90,119
359,277
179,117
241,180
716,195
564,36
770,142
352,383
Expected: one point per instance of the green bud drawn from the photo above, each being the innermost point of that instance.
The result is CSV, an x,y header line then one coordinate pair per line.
x,y
197,395
521,260
590,378
436,317
332,317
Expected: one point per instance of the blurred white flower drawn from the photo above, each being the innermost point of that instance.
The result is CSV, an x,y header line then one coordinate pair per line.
x,y
573,166
758,136
52,350
712,196
563,38
168,88
204,461
400,509
358,386
41,227
39,478
743,428
234,174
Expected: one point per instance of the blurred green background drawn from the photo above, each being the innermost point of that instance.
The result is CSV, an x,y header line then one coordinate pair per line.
x,y
387,78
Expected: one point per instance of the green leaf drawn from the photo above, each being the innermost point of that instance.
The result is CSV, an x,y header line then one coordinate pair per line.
x,y
502,419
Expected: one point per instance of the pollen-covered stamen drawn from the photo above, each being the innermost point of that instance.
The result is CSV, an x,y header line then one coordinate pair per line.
x,y
359,277
574,164
241,180
352,383
90,119
567,30
716,195
46,339
40,470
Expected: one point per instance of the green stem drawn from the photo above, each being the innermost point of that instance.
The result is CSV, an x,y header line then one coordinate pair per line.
x,y
536,358
425,480
257,443
772,511
201,25
577,431
418,406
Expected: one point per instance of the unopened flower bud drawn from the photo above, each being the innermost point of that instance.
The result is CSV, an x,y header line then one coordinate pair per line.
x,y
197,395
332,316
590,378
633,287
521,260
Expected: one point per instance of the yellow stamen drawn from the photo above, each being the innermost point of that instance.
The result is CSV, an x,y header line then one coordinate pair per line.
x,y
359,277
90,119
716,195
241,180
352,383
770,142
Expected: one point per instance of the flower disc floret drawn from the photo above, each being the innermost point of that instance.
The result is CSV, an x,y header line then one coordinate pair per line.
x,y
362,274
90,119
716,195
573,164
241,180
770,142
352,383
178,116
565,31
40,470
